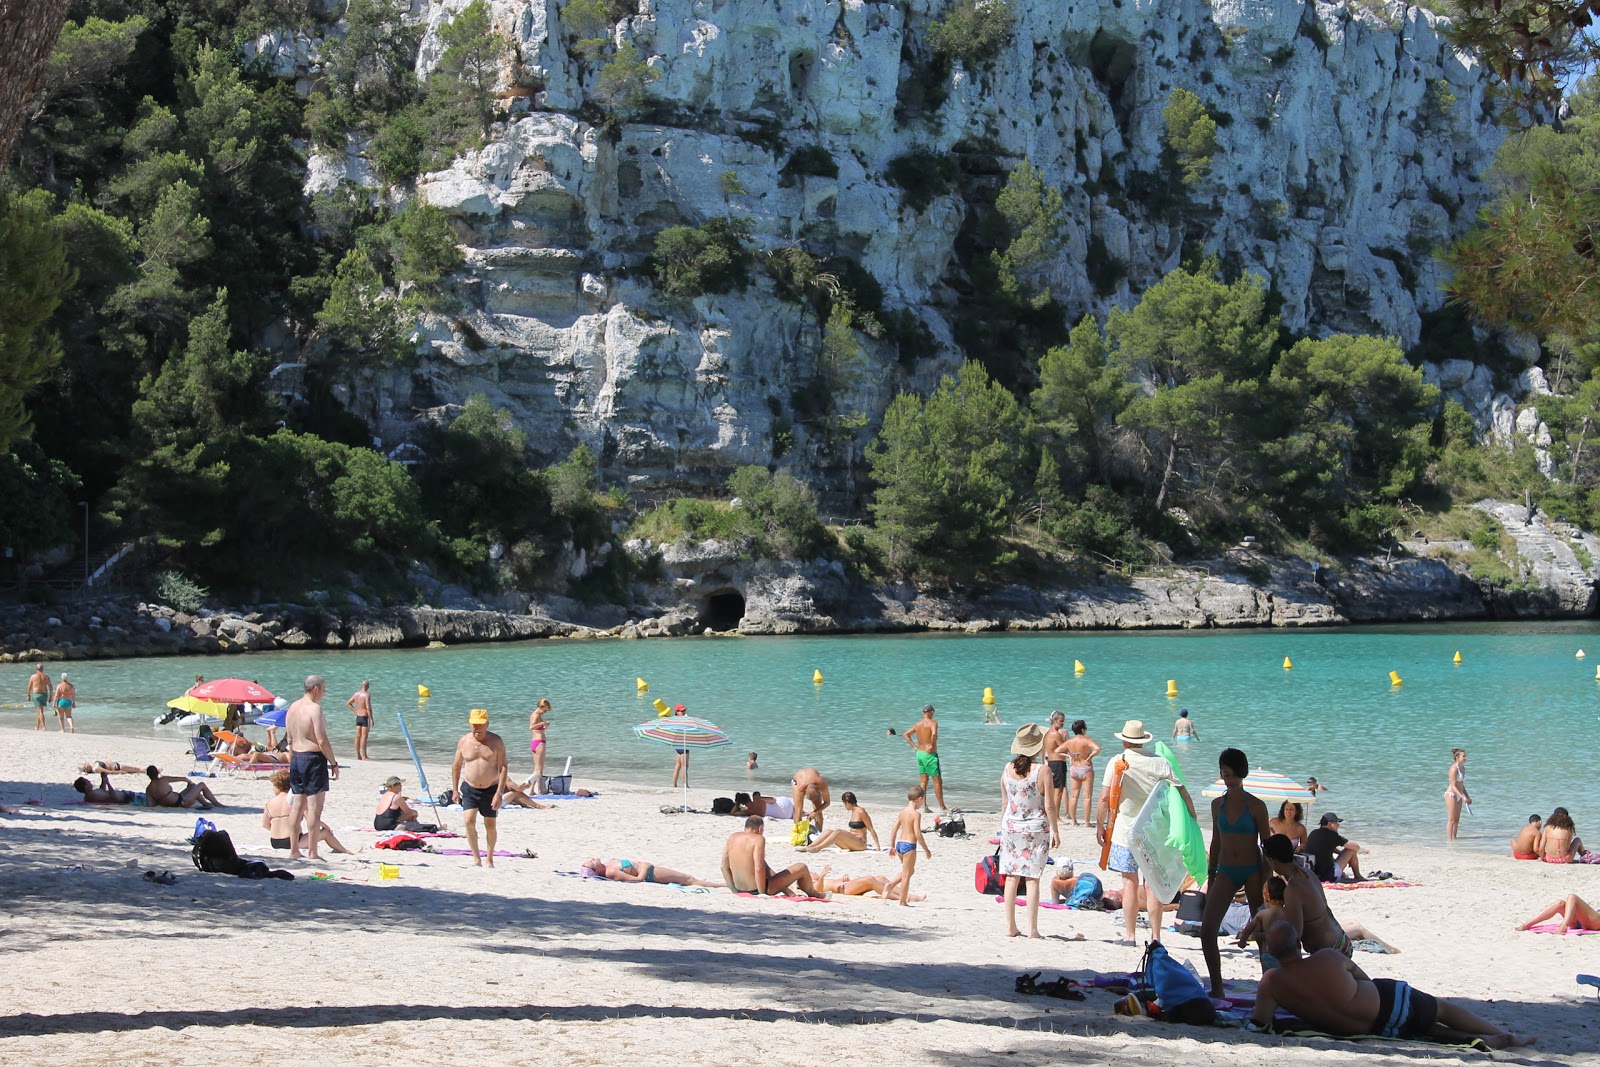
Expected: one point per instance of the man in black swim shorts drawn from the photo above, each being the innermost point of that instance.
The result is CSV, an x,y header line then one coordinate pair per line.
x,y
477,772
1329,993
311,765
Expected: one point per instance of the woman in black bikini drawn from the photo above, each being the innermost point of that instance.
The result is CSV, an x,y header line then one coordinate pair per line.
x,y
1238,837
853,839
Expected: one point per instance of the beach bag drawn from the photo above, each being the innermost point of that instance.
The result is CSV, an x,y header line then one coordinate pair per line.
x,y
952,826
722,806
986,877
1181,996
214,853
801,834
1086,892
445,799
557,785
1191,906
201,825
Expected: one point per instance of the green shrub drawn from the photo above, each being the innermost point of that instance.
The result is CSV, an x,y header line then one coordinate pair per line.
x,y
178,590
1191,134
713,258
921,176
689,518
399,147
781,512
623,87
810,160
972,30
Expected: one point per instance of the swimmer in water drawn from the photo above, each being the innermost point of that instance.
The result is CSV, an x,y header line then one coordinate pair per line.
x,y
1183,729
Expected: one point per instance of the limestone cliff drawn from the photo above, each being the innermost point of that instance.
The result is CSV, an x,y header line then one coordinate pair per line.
x,y
1350,140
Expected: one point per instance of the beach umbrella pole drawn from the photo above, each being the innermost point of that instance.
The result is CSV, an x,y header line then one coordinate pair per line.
x,y
416,761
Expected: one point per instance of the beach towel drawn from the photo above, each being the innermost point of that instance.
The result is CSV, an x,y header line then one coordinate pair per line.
x,y
792,900
565,796
1042,904
1292,1027
1554,927
498,852
1345,887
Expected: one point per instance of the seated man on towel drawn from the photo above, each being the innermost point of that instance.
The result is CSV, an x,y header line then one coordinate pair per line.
x,y
745,870
1330,993
641,871
1525,846
160,794
103,793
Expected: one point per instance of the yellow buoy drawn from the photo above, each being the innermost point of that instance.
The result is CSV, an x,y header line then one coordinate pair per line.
x,y
640,685
424,692
816,677
1287,665
662,711
1172,688
1077,666
1458,657
988,695
1394,678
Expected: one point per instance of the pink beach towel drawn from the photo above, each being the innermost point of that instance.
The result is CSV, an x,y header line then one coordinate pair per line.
x,y
792,900
1042,903
1345,887
1553,927
468,852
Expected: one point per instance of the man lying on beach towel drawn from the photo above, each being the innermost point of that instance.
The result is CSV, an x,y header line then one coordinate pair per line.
x,y
1329,992
103,793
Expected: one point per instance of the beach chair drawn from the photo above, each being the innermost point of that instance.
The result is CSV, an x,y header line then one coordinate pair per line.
x,y
238,766
202,756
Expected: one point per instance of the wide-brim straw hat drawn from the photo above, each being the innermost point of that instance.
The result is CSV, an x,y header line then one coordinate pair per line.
x,y
1029,741
1134,733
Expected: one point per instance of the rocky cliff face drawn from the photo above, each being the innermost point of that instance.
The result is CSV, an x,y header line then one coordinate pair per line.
x,y
1351,136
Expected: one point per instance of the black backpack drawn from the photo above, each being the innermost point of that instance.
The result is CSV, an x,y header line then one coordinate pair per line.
x,y
213,852
722,806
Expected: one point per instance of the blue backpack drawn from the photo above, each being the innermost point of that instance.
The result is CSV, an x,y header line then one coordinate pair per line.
x,y
1086,892
1181,996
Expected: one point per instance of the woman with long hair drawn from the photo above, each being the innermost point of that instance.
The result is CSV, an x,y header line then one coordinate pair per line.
x,y
1081,750
1455,792
1028,827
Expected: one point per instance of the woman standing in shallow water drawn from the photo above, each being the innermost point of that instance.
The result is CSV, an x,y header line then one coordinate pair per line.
x,y
1455,792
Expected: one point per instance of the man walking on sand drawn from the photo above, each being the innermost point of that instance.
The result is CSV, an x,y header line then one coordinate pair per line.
x,y
311,762
1133,777
745,870
923,737
476,774
361,704
39,692
66,700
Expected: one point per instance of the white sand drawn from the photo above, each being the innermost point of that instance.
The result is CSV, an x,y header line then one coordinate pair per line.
x,y
454,965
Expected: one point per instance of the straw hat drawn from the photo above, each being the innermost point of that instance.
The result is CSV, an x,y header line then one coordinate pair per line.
x,y
1029,742
1134,733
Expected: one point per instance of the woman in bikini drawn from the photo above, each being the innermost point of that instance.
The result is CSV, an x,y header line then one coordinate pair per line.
x,y
1455,791
1239,834
853,838
640,871
1574,911
1290,824
538,723
861,885
1080,750
1559,843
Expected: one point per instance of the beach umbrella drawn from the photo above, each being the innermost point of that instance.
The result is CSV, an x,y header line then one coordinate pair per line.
x,y
195,706
416,761
683,731
1266,785
231,691
273,717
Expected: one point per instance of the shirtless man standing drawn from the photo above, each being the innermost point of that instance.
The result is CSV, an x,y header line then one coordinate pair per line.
x,y
745,870
1329,992
361,704
1054,738
39,691
476,774
808,784
66,700
923,737
311,763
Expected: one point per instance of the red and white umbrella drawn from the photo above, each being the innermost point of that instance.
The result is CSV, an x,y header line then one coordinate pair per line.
x,y
1266,785
231,691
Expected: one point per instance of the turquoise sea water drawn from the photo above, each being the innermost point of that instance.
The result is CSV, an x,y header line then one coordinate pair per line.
x,y
1521,703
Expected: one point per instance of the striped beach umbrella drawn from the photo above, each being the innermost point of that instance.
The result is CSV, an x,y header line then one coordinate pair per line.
x,y
1266,785
683,731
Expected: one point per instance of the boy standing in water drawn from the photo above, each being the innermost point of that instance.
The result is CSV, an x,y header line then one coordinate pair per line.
x,y
907,837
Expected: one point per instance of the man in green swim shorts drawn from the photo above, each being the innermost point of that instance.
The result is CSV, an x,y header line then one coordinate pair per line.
x,y
923,736
39,691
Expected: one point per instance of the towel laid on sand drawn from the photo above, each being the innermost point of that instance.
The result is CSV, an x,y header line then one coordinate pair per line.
x,y
792,900
1392,883
1555,927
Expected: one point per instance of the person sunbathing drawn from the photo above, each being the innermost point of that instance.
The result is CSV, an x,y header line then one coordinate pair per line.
x,y
1525,846
275,818
105,766
1574,911
520,794
394,811
863,884
161,794
853,838
640,871
103,793
1328,991
1560,843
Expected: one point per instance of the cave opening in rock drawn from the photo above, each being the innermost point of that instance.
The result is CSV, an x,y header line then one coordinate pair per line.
x,y
722,610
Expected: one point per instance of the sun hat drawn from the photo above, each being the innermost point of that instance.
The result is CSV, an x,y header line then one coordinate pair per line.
x,y
478,717
1134,733
1330,818
391,781
1029,742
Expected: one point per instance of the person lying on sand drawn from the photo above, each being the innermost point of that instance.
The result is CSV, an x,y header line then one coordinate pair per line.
x,y
642,871
106,766
103,793
275,818
160,793
1329,992
862,884
1574,911
745,870
520,794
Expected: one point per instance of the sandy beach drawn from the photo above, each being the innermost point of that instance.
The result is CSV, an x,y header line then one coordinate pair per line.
x,y
450,964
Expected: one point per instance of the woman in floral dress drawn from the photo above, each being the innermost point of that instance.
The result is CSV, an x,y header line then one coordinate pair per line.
x,y
1028,827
